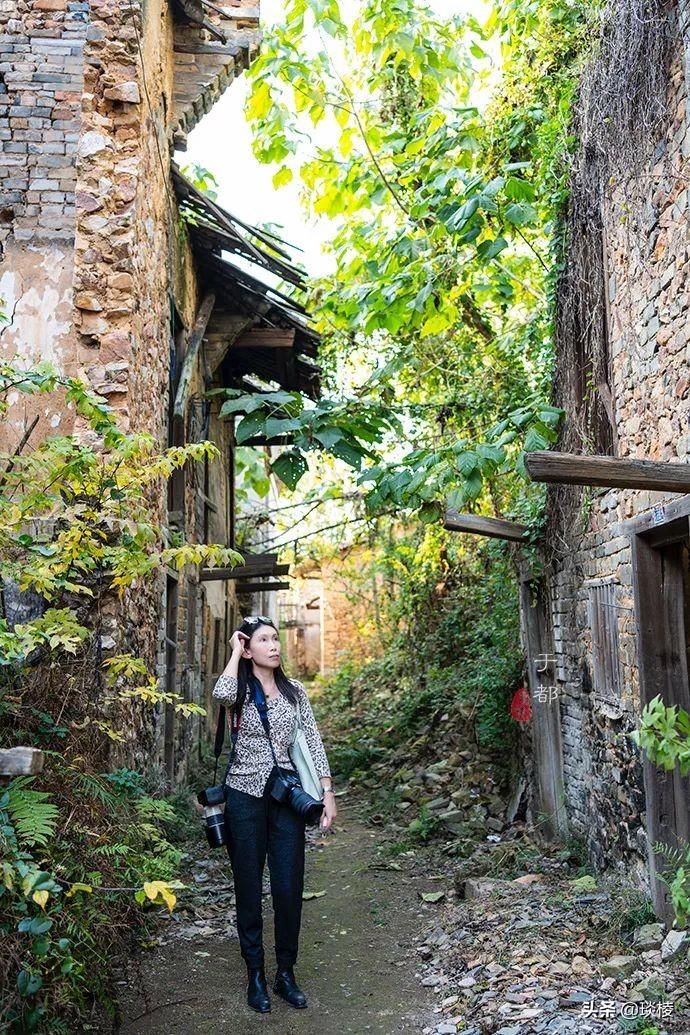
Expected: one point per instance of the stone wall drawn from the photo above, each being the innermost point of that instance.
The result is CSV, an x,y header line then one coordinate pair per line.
x,y
97,278
648,250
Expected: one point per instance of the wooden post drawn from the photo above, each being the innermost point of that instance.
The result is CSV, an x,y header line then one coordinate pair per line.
x,y
546,713
495,528
192,350
608,471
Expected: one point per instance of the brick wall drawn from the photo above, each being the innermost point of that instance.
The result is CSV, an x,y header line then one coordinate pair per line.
x,y
93,266
646,232
41,84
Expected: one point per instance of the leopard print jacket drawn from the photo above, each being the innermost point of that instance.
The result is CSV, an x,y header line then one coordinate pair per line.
x,y
253,760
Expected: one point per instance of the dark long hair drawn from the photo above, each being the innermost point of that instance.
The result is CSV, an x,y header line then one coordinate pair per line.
x,y
245,672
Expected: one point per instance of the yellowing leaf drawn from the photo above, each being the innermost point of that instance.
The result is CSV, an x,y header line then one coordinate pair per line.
x,y
282,177
155,888
438,322
342,116
168,898
346,143
259,102
41,897
78,887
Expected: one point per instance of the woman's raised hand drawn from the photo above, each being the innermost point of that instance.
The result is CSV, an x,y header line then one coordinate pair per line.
x,y
238,641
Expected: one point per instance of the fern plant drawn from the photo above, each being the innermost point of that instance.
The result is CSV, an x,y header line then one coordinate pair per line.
x,y
676,876
33,814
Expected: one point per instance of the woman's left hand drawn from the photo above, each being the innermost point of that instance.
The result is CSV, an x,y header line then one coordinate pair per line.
x,y
330,811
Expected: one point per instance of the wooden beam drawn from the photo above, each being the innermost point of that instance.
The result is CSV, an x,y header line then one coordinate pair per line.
x,y
242,571
266,338
276,440
608,471
261,587
191,353
195,15
221,334
495,528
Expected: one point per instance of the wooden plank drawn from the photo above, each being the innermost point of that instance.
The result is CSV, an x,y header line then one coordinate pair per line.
x,y
221,334
19,761
242,571
603,623
658,516
260,587
276,440
266,338
546,716
191,353
495,528
608,471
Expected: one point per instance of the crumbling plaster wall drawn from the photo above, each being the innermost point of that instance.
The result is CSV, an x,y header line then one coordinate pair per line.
x,y
93,262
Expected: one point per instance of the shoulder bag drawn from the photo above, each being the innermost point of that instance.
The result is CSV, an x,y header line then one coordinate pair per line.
x,y
300,756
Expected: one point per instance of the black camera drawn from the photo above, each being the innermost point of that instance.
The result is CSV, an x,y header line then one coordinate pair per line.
x,y
213,800
287,788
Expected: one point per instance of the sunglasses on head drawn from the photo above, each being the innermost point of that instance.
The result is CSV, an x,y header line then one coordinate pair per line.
x,y
253,619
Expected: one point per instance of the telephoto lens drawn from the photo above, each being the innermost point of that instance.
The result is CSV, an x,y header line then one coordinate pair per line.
x,y
305,805
213,799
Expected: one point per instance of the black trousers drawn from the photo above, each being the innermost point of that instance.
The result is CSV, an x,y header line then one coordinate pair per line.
x,y
257,828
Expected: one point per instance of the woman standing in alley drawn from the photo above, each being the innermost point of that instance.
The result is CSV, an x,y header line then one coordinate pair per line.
x,y
259,826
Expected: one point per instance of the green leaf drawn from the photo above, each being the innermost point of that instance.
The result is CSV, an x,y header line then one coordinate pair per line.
x,y
290,467
350,453
249,426
329,436
520,213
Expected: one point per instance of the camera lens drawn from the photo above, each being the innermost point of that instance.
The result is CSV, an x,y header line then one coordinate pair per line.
x,y
305,805
215,826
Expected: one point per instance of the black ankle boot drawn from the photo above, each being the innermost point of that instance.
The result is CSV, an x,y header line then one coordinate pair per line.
x,y
286,987
257,992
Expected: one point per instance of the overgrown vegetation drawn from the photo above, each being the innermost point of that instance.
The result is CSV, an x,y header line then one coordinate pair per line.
x,y
445,660
83,845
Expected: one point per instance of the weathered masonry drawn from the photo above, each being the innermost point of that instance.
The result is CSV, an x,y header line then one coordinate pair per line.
x,y
102,275
606,621
611,615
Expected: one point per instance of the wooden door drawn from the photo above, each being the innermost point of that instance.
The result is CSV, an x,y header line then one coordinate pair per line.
x,y
661,573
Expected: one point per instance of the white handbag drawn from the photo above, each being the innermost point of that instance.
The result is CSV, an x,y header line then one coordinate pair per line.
x,y
303,762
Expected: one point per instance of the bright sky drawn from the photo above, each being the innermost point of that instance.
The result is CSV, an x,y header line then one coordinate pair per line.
x,y
222,143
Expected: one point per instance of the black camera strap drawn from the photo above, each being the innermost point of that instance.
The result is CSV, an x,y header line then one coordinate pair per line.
x,y
262,708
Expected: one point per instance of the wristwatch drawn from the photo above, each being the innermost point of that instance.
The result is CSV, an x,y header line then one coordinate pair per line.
x,y
327,789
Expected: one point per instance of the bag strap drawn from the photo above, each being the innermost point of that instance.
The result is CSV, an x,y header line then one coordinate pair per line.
x,y
262,708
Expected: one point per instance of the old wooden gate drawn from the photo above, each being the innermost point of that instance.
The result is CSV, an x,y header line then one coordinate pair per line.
x,y
661,573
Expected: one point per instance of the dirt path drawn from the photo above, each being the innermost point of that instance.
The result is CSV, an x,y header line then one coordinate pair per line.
x,y
358,963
